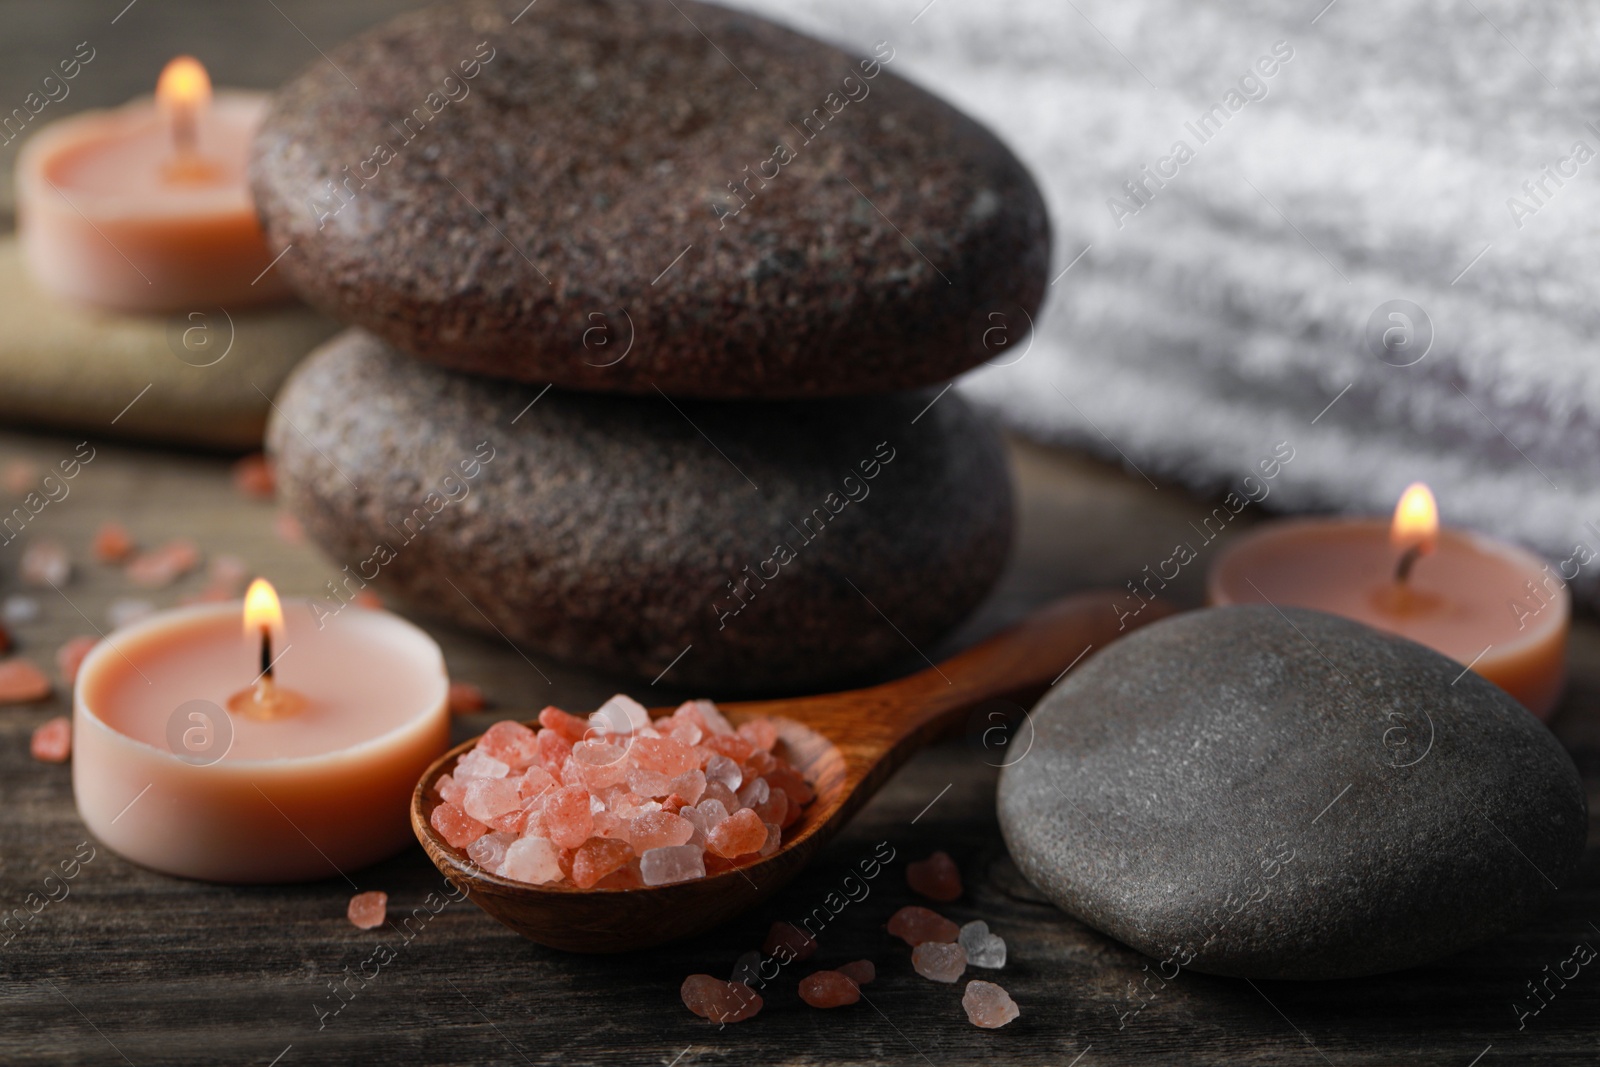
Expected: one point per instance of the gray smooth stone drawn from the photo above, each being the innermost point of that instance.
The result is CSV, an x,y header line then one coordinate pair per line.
x,y
636,534
1270,794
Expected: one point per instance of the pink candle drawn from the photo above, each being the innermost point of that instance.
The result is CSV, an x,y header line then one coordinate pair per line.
x,y
146,208
178,766
1484,603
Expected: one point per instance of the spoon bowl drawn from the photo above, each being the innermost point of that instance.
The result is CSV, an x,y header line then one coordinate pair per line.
x,y
846,745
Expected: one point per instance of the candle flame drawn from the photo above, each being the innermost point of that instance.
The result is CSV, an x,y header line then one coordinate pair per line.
x,y
1416,520
261,608
184,83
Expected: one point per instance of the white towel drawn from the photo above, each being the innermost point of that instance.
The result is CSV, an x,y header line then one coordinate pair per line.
x,y
1416,150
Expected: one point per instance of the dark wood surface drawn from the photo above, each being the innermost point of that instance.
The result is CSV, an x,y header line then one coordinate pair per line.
x,y
134,967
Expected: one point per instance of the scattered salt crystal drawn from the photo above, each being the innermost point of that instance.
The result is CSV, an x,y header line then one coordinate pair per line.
x,y
45,564
20,475
787,939
19,610
454,825
939,961
620,715
52,740
127,610
228,571
915,925
70,656
164,565
288,528
987,1005
489,851
747,968
22,683
366,598
479,764
937,877
254,477
112,543
724,770
861,972
721,1002
828,989
533,860
485,798
754,793
983,948
675,863
368,910
465,699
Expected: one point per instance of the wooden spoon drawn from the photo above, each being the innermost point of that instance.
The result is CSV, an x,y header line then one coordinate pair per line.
x,y
845,744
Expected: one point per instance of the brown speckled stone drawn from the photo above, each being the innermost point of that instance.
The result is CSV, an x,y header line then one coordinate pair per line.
x,y
569,207
1289,795
605,530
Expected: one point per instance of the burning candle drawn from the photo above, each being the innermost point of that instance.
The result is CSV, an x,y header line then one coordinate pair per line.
x,y
145,208
1491,606
285,753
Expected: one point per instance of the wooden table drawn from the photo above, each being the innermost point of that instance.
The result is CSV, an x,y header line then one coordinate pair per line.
x,y
136,967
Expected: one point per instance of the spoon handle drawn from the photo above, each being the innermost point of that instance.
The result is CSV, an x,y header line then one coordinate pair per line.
x,y
886,723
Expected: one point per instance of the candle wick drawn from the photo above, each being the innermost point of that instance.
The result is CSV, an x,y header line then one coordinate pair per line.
x,y
1402,571
266,653
185,131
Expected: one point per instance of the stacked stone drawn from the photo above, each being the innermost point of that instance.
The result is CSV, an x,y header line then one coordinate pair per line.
x,y
653,308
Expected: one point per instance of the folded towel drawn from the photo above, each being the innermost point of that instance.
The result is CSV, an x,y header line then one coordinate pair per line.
x,y
1250,187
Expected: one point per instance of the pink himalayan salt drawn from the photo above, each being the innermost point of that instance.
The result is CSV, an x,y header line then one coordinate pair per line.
x,y
659,829
937,877
987,1005
722,769
939,961
533,860
22,683
164,565
454,825
112,543
569,726
789,940
759,732
45,564
511,743
466,699
52,740
568,816
861,972
915,925
675,863
288,528
721,1002
479,764
738,835
368,910
69,657
449,789
620,715
489,851
366,598
598,857
254,477
486,798
828,989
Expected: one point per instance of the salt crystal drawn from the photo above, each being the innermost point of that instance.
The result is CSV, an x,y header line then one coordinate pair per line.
x,y
658,829
915,925
368,910
553,749
759,732
164,565
755,792
719,1001
19,610
774,809
861,972
465,698
456,827
774,839
648,783
983,948
511,743
534,781
987,1005
20,475
70,656
828,989
112,544
45,564
366,598
489,851
533,860
486,798
725,797
620,715
939,961
22,683
596,858
288,528
663,755
566,810
689,787
686,733
788,940
450,791
713,812
125,611
937,877
675,863
724,770
600,765
738,835
52,740
789,780
479,764
747,968
228,571
709,715
254,477
569,726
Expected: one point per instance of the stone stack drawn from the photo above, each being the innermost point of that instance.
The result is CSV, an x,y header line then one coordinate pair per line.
x,y
653,308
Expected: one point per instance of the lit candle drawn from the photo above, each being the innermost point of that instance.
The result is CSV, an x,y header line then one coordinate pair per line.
x,y
146,208
284,754
1484,603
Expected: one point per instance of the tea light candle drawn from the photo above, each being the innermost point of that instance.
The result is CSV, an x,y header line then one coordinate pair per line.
x,y
1490,606
146,208
282,753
